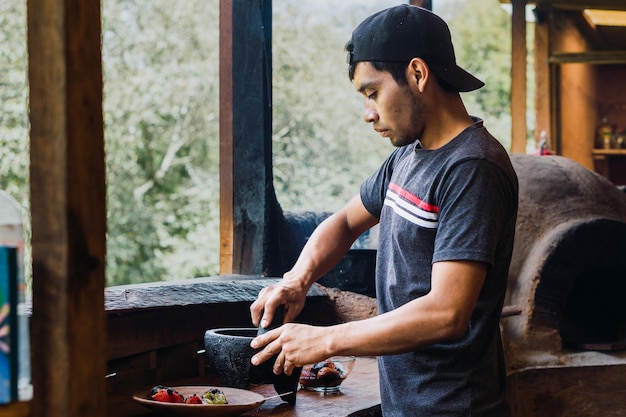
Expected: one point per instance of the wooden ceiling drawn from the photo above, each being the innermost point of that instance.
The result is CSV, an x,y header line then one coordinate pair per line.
x,y
586,4
607,38
578,4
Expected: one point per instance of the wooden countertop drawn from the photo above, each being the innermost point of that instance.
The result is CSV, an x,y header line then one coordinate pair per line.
x,y
358,392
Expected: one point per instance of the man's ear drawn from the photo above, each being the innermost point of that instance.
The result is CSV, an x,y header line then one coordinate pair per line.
x,y
418,73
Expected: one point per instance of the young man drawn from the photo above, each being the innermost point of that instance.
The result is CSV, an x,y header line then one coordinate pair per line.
x,y
446,200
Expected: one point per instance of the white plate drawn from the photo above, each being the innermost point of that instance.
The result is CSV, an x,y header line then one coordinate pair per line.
x,y
239,401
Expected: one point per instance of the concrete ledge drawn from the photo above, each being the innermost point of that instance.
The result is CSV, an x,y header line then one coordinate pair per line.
x,y
165,316
195,291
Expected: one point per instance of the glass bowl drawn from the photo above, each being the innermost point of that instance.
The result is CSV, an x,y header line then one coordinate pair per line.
x,y
326,376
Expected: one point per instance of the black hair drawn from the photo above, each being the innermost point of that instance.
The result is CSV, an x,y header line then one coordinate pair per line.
x,y
396,69
398,72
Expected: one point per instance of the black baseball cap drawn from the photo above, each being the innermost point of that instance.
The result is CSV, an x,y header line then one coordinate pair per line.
x,y
401,33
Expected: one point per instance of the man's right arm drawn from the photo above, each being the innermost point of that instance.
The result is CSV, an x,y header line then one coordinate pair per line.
x,y
330,241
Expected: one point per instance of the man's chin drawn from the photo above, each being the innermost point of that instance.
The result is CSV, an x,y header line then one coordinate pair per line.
x,y
400,142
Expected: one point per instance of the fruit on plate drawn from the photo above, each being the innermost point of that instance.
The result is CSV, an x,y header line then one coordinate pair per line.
x,y
165,395
193,399
214,396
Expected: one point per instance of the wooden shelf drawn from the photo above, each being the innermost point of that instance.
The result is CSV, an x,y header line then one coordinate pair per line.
x,y
589,57
18,409
609,152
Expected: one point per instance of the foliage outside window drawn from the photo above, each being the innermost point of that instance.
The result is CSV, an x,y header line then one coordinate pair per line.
x,y
161,129
160,63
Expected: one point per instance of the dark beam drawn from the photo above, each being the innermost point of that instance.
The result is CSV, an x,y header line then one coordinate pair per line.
x,y
247,199
426,4
68,208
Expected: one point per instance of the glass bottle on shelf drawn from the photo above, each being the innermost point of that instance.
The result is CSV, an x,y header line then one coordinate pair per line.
x,y
544,144
605,134
620,138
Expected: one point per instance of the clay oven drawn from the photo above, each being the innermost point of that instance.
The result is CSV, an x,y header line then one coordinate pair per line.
x,y
566,330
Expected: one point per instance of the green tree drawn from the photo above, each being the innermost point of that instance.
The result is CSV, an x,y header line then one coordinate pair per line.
x,y
161,105
322,148
160,66
481,31
14,125
13,102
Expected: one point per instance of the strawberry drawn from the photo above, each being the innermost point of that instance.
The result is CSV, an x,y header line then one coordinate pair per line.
x,y
193,399
165,395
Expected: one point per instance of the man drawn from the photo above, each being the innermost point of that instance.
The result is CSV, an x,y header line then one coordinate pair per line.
x,y
446,200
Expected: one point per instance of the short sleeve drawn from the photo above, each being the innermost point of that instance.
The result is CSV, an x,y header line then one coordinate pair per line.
x,y
476,200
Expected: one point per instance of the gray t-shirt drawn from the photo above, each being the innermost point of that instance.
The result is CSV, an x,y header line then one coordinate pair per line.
x,y
458,202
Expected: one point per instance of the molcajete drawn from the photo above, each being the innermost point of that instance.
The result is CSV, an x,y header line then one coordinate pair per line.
x,y
229,354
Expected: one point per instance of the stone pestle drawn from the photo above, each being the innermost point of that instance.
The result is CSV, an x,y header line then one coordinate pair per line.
x,y
285,385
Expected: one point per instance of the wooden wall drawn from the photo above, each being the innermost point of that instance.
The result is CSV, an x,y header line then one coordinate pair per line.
x,y
577,100
579,115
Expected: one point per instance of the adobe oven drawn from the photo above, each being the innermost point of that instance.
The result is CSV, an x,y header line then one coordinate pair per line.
x,y
564,324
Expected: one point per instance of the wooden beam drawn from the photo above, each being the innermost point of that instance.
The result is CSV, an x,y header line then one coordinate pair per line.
x,y
426,4
590,57
543,116
578,4
518,78
68,208
555,107
226,138
247,199
585,4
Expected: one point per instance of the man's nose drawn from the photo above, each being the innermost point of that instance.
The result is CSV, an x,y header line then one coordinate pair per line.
x,y
370,115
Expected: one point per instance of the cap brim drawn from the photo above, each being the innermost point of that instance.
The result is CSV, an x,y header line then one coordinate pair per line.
x,y
457,77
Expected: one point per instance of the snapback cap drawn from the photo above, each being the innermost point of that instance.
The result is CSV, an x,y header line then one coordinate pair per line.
x,y
401,33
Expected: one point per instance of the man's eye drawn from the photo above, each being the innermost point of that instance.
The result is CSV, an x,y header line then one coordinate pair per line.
x,y
371,96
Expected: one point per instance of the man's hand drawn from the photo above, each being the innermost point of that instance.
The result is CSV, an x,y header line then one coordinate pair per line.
x,y
295,344
288,292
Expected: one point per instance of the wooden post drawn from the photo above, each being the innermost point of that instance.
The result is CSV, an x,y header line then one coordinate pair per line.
x,y
518,77
68,208
247,199
226,137
426,4
543,82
